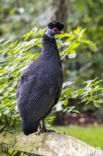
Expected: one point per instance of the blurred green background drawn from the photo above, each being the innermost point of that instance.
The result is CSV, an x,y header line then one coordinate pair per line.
x,y
18,17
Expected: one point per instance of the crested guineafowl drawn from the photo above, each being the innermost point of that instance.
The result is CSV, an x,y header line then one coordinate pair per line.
x,y
40,85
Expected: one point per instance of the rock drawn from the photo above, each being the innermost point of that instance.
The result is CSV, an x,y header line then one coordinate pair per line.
x,y
49,144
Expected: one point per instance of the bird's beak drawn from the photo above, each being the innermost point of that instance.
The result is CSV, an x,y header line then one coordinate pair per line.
x,y
62,32
58,32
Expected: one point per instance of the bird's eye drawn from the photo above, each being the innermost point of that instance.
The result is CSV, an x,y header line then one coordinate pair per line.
x,y
55,29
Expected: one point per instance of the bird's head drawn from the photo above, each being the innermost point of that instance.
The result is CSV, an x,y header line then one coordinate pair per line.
x,y
54,28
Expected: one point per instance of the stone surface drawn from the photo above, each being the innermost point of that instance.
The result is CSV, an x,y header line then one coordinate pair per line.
x,y
48,144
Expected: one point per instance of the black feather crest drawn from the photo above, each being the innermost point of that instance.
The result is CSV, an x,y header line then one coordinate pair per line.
x,y
58,25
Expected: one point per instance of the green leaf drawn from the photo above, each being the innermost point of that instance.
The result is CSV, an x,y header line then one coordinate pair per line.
x,y
90,43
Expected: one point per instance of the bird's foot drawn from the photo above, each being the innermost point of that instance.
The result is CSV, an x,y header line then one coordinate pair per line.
x,y
44,131
40,131
42,128
49,130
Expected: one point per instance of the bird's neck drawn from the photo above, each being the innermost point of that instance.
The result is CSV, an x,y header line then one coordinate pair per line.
x,y
50,33
50,46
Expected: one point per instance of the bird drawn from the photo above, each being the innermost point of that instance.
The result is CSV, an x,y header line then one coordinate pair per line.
x,y
40,85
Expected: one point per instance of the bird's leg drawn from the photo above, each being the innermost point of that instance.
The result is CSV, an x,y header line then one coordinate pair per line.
x,y
43,125
44,128
39,127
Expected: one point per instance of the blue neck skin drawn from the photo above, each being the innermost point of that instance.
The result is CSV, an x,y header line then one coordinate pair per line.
x,y
50,33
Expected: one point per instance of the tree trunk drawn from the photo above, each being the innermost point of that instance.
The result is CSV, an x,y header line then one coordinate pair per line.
x,y
59,10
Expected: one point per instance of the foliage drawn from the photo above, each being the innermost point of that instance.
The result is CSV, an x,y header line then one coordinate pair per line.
x,y
8,152
15,58
20,16
88,64
84,64
90,92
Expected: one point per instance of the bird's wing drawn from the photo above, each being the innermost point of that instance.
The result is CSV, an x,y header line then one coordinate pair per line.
x,y
26,82
41,104
34,102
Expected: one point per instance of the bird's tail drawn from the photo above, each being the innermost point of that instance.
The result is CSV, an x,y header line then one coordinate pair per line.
x,y
30,127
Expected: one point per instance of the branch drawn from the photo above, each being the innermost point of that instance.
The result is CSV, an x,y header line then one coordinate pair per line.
x,y
48,144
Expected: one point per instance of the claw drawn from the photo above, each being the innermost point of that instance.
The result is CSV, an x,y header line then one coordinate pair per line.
x,y
42,129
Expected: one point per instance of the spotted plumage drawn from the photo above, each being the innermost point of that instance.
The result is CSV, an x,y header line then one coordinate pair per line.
x,y
40,85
